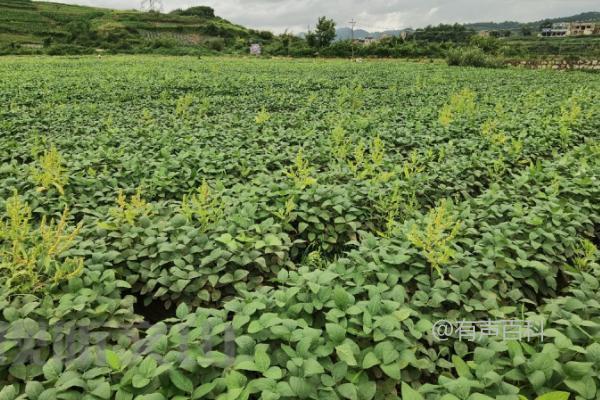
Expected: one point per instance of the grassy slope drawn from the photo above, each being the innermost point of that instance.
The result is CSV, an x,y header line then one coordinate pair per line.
x,y
27,22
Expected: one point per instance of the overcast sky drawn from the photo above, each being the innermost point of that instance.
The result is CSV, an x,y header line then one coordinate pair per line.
x,y
372,15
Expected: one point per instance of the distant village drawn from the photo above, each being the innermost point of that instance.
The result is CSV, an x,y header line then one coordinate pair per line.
x,y
571,29
560,29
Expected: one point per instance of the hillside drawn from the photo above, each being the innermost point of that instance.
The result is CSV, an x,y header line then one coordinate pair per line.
x,y
35,24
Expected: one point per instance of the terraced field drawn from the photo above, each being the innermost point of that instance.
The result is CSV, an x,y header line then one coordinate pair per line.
x,y
176,228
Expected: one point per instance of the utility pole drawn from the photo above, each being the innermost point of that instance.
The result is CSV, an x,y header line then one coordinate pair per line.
x,y
152,5
352,24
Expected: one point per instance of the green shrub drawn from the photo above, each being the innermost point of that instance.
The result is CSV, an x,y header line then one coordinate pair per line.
x,y
216,44
472,57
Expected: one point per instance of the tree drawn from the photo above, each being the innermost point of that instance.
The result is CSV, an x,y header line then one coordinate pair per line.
x,y
199,11
526,31
325,32
311,39
286,40
79,30
445,33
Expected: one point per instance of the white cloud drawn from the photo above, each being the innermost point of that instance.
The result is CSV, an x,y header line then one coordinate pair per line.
x,y
278,15
433,11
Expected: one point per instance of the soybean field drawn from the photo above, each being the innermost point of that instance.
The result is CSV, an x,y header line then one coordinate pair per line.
x,y
221,228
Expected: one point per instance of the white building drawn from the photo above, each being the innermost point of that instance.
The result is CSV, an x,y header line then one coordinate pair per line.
x,y
255,49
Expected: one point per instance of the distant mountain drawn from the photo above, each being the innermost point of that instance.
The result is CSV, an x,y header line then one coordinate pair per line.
x,y
345,33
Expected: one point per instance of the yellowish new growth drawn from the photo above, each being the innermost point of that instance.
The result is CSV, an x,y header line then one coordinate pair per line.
x,y
369,165
301,172
50,171
359,158
570,114
462,103
489,127
393,206
445,117
183,105
377,152
30,259
587,254
435,235
340,144
204,206
354,98
262,117
412,166
130,210
285,212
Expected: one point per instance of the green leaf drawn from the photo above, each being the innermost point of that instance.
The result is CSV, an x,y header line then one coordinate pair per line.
x,y
273,373
247,365
367,390
300,387
181,381
113,360
554,396
408,393
272,240
235,380
33,389
139,381
341,298
203,390
153,396
255,327
402,314
102,391
586,387
182,311
345,353
48,394
479,396
262,361
577,370
336,332
461,367
9,393
348,391
52,369
391,370
148,367
312,367
370,360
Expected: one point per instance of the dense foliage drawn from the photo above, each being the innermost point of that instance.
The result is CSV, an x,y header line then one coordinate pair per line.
x,y
175,228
